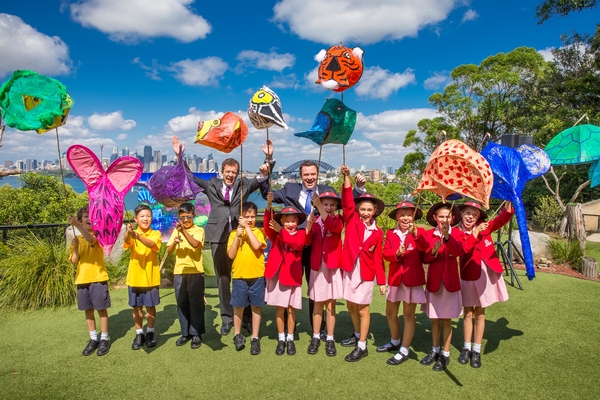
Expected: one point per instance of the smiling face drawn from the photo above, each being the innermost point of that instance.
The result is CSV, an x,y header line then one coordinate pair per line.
x,y
330,205
144,219
470,215
186,219
366,211
442,216
250,217
308,174
289,222
404,216
230,172
85,222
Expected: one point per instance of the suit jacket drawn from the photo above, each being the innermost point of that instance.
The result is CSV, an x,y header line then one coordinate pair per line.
x,y
369,251
217,228
326,247
443,266
285,255
407,268
482,249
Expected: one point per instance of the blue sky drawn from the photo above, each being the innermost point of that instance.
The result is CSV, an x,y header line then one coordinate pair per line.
x,y
140,71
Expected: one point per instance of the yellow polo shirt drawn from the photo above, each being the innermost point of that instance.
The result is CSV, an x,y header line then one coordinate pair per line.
x,y
188,259
144,269
91,267
248,264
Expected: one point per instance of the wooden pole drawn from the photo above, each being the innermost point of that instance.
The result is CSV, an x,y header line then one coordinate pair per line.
x,y
319,164
62,176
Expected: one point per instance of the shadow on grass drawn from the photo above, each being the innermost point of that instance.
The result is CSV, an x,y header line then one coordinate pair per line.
x,y
212,338
119,324
495,331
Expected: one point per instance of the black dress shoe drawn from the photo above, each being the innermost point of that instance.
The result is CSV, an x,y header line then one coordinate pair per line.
x,y
280,349
465,356
397,361
226,328
138,342
103,347
150,339
90,348
475,359
357,354
196,342
291,348
254,346
239,341
313,347
352,341
430,358
388,347
330,348
182,340
441,363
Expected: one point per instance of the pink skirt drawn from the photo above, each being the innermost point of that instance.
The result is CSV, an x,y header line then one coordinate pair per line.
x,y
355,289
413,294
485,291
326,284
280,295
442,304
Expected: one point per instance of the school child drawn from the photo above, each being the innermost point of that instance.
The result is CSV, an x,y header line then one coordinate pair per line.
x,y
326,283
143,276
187,241
245,247
406,278
91,279
284,270
362,261
480,274
442,245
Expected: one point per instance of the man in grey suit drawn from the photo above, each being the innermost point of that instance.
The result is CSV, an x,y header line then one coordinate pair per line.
x,y
224,196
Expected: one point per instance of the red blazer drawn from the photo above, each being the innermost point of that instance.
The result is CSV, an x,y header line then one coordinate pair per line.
x,y
407,268
328,247
369,251
285,255
443,267
482,249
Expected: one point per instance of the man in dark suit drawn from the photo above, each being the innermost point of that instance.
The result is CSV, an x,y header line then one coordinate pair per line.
x,y
224,196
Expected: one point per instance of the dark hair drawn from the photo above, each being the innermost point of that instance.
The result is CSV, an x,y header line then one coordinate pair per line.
x,y
248,205
308,163
232,162
446,206
83,210
187,208
141,207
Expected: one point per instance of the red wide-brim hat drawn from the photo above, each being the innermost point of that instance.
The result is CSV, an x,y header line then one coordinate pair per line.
x,y
406,204
456,215
331,195
369,197
475,204
289,211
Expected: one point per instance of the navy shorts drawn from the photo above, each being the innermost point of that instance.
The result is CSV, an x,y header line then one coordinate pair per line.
x,y
143,296
248,291
93,295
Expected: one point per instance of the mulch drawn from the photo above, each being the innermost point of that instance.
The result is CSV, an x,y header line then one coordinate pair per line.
x,y
556,269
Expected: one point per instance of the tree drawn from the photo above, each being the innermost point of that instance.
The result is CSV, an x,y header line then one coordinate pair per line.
x,y
562,8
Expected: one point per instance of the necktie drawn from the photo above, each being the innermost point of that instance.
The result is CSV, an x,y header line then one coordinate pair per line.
x,y
308,204
226,198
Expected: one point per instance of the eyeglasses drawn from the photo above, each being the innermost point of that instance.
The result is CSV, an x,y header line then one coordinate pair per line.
x,y
186,218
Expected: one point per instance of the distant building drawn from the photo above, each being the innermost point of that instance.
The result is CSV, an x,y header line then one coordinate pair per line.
x,y
164,159
125,151
114,155
8,163
157,158
147,157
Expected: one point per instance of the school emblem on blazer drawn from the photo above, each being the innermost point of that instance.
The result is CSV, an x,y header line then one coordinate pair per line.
x,y
410,247
371,249
487,242
328,234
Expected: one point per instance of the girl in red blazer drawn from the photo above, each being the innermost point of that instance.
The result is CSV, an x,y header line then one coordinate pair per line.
x,y
441,245
284,270
361,261
480,274
326,283
406,278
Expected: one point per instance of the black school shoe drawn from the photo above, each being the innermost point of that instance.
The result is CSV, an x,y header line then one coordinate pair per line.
x,y
441,363
138,342
388,347
150,339
352,341
254,346
430,358
196,342
397,361
280,349
475,359
239,341
465,356
330,348
313,347
90,348
103,347
182,340
291,348
357,354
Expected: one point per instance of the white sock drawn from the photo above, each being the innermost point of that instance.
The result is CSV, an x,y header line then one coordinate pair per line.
x,y
477,347
362,345
446,354
329,337
290,337
357,334
139,331
254,337
436,349
149,330
104,336
404,350
316,336
93,335
395,342
467,346
281,337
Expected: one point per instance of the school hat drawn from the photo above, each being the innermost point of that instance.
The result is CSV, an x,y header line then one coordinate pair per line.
x,y
372,199
406,204
475,204
289,211
456,215
331,195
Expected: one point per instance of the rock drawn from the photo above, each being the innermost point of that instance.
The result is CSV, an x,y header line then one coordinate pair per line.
x,y
164,283
539,243
543,266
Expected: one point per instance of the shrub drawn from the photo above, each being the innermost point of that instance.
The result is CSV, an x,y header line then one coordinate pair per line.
x,y
117,272
566,252
547,215
37,273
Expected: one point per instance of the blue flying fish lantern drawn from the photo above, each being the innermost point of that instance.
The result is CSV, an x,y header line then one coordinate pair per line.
x,y
333,124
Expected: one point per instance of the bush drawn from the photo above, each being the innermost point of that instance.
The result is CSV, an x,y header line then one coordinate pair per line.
x,y
117,272
547,215
37,273
566,252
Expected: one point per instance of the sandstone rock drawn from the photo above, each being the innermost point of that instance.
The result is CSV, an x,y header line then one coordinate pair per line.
x,y
539,243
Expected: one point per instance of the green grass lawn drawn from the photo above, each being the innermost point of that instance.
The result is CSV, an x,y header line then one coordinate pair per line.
x,y
539,344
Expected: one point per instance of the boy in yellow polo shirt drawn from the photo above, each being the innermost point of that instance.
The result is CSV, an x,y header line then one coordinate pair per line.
x,y
143,276
245,247
188,277
91,280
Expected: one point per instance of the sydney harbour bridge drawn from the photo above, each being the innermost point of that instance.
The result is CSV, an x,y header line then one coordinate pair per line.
x,y
295,167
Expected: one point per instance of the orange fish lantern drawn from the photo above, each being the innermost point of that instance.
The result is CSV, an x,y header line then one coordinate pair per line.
x,y
456,168
224,134
341,67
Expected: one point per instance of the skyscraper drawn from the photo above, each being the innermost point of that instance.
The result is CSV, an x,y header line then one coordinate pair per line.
x,y
125,151
157,159
114,155
147,157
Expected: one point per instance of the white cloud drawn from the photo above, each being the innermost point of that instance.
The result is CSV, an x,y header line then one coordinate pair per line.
x,y
21,47
469,15
547,53
364,22
270,61
110,122
378,83
133,20
122,136
201,72
439,80
151,72
391,126
284,82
